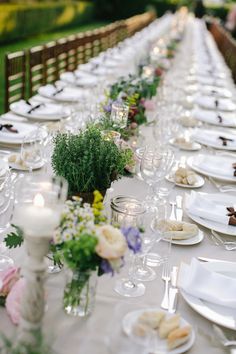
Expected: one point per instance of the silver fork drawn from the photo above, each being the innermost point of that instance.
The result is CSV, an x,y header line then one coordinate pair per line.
x,y
166,277
228,245
224,340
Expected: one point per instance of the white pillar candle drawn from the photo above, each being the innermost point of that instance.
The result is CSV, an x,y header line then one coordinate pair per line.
x,y
37,219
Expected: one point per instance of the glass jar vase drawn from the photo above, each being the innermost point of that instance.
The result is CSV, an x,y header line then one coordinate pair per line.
x,y
126,210
80,292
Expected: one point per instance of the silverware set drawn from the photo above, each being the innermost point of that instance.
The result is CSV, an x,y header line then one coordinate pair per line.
x,y
169,301
176,208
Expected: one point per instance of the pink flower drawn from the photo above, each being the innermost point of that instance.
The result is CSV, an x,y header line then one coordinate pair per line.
x,y
13,300
8,278
149,105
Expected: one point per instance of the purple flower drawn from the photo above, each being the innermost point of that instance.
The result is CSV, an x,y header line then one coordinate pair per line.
x,y
106,267
107,108
133,238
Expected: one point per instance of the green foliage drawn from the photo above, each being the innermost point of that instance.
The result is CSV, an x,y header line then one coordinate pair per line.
x,y
8,346
2,301
22,20
15,238
117,9
87,161
80,254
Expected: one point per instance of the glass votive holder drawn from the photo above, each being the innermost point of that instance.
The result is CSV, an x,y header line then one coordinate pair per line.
x,y
111,135
127,211
119,114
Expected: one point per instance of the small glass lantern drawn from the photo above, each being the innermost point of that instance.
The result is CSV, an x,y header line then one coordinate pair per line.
x,y
119,114
127,211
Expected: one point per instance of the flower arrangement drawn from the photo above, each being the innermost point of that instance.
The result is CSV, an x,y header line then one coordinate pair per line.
x,y
133,91
88,161
88,244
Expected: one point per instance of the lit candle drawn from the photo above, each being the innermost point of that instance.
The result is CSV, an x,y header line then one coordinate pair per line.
x,y
37,219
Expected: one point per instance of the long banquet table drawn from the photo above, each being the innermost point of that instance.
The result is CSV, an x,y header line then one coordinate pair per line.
x,y
101,333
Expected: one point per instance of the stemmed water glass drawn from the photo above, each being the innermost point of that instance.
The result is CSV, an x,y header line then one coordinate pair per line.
x,y
129,286
142,271
32,150
7,190
155,164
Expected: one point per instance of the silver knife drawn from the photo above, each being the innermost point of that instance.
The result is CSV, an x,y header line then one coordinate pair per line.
x,y
179,209
173,291
205,259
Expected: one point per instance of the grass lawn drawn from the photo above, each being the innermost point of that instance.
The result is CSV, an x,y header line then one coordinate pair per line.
x,y
33,41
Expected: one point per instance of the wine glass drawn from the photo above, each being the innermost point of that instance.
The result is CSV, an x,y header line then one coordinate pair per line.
x,y
32,150
155,164
129,286
7,190
142,271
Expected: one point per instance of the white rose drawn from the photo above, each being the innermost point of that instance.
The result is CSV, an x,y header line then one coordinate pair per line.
x,y
111,242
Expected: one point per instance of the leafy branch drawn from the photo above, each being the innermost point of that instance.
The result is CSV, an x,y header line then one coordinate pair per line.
x,y
15,238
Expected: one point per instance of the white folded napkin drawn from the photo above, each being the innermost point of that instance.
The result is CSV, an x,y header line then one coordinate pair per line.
x,y
68,94
23,130
219,165
13,117
210,103
79,80
208,80
45,110
211,137
215,91
218,118
199,205
196,280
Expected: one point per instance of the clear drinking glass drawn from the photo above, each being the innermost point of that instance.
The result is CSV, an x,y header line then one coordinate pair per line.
x,y
142,271
119,114
32,150
128,212
162,248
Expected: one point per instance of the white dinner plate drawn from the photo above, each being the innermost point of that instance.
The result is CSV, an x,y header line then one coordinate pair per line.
x,y
211,117
68,95
130,319
21,108
23,130
187,242
200,182
217,198
192,163
223,316
217,144
194,147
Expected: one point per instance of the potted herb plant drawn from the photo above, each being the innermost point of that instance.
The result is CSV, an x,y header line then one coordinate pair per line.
x,y
88,161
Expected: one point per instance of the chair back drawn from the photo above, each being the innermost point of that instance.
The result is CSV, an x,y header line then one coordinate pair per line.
x,y
15,77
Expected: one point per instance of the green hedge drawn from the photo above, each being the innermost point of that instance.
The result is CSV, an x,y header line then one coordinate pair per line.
x,y
19,21
117,9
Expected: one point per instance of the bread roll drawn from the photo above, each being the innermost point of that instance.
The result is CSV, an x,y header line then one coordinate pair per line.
x,y
177,230
152,319
178,337
168,325
140,329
